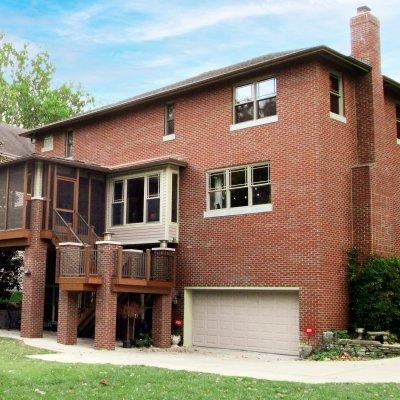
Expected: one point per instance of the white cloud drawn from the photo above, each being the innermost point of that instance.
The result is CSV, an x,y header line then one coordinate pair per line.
x,y
160,21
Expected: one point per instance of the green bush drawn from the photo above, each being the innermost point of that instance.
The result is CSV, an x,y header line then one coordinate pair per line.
x,y
375,293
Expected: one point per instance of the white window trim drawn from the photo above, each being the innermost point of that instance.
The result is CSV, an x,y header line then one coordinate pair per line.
x,y
341,99
224,212
338,117
125,179
167,138
255,122
228,210
49,147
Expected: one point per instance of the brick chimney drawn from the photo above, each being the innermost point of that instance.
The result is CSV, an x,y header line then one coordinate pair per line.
x,y
365,38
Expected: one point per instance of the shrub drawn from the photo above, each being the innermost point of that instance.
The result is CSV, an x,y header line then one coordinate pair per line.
x,y
375,293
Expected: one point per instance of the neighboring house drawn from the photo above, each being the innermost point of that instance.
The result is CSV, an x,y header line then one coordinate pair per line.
x,y
12,145
258,176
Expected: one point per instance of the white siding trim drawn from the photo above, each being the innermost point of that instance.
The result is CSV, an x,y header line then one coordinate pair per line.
x,y
223,212
337,117
255,122
167,138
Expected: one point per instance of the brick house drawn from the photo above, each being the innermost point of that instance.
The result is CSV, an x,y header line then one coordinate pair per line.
x,y
229,200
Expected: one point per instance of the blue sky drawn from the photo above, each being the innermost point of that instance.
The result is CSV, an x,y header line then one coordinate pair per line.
x,y
120,48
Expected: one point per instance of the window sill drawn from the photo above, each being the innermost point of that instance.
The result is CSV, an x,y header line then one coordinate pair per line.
x,y
238,211
167,138
398,141
256,122
44,149
338,117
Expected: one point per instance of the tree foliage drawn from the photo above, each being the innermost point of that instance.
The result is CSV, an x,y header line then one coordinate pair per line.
x,y
375,293
10,269
28,97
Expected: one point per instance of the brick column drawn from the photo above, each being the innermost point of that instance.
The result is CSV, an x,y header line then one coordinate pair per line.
x,y
161,320
34,276
106,300
67,328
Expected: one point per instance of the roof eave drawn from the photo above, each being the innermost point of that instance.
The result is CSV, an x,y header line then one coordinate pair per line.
x,y
391,85
319,50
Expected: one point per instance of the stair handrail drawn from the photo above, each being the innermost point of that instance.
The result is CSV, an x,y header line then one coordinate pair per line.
x,y
91,234
72,234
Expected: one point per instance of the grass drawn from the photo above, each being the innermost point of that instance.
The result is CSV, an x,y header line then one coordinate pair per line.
x,y
24,378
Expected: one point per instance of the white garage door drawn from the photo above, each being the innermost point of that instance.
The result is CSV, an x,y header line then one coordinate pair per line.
x,y
265,321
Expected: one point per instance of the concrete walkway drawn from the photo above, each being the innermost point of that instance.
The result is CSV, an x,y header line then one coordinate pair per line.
x,y
230,363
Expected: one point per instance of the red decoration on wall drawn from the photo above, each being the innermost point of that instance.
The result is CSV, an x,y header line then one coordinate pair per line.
x,y
310,331
178,323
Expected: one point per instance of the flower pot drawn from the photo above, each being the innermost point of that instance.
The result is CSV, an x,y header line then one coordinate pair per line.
x,y
175,339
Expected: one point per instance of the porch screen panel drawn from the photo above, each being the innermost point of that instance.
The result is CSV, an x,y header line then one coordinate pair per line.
x,y
15,209
97,205
83,200
3,198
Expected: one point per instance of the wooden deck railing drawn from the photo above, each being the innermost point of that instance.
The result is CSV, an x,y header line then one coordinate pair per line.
x,y
77,262
155,265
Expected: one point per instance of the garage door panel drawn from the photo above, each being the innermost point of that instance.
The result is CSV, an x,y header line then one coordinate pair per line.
x,y
258,321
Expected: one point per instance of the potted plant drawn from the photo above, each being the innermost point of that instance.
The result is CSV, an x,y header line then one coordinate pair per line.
x,y
176,335
130,312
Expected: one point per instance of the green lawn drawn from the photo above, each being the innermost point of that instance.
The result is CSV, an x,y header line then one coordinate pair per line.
x,y
23,378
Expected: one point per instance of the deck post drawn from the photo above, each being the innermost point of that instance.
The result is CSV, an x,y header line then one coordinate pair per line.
x,y
106,299
34,276
67,328
161,320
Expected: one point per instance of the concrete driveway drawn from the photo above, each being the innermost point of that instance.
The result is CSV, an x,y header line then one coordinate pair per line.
x,y
230,363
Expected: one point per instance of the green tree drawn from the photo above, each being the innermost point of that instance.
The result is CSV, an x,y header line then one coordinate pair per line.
x,y
10,269
28,97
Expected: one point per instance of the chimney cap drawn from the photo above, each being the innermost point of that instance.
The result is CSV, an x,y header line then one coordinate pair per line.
x,y
363,9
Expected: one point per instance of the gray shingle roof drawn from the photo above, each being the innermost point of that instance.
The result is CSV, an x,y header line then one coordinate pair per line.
x,y
209,78
12,144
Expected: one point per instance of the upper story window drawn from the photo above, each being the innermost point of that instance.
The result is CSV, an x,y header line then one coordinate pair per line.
x,y
47,143
169,119
398,121
69,144
136,200
239,188
255,100
336,94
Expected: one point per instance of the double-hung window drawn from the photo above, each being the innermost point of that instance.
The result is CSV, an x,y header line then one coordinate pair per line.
x,y
239,188
398,122
255,100
336,94
118,203
153,198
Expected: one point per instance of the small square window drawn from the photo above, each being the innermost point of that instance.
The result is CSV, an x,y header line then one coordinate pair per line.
x,y
47,143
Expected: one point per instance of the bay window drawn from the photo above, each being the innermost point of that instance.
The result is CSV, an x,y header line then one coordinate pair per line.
x,y
239,187
136,200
